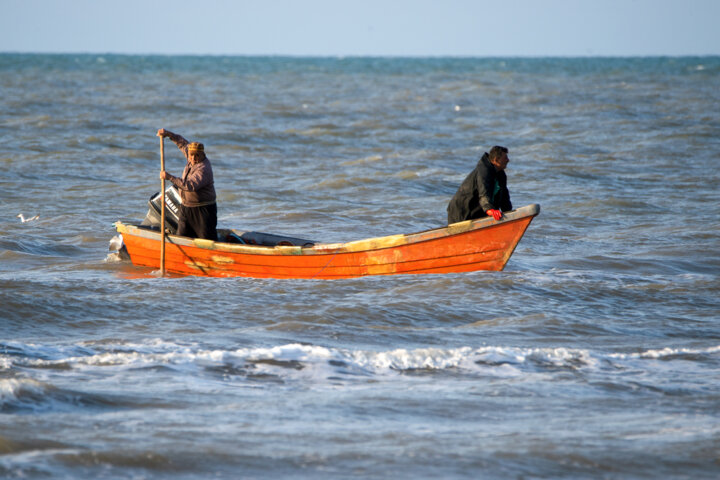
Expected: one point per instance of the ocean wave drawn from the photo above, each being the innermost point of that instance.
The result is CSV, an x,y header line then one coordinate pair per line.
x,y
324,362
28,395
18,394
40,247
669,353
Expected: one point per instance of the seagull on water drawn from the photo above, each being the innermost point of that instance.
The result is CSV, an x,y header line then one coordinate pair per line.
x,y
23,219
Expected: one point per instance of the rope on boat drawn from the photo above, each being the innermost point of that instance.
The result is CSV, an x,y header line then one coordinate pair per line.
x,y
326,265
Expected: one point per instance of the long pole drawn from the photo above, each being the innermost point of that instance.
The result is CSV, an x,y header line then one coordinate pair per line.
x,y
162,210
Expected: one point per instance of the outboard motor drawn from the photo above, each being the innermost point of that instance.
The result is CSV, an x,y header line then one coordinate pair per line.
x,y
172,210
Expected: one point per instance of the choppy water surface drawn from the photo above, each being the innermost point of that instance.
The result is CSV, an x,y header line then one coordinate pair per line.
x,y
596,353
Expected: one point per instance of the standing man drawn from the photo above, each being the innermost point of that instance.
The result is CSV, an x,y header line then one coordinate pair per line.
x,y
484,191
198,212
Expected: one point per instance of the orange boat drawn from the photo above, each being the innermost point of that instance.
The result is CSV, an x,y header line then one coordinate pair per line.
x,y
482,244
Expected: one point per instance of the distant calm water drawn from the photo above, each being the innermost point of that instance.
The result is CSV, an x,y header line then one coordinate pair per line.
x,y
595,354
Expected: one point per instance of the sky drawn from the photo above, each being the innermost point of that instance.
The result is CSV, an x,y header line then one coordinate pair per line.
x,y
467,28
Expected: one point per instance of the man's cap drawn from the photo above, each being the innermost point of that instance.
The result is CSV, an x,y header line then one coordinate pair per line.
x,y
196,147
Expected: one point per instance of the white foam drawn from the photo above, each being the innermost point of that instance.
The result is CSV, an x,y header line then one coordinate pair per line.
x,y
667,352
402,359
25,220
318,361
12,388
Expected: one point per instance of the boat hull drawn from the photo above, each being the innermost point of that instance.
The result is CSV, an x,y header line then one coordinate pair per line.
x,y
482,244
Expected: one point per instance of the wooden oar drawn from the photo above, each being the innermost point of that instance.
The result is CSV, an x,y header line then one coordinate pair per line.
x,y
162,210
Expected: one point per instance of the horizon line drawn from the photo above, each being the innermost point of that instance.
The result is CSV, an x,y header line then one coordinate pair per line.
x,y
357,56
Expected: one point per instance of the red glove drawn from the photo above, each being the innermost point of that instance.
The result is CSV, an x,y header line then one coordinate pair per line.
x,y
496,214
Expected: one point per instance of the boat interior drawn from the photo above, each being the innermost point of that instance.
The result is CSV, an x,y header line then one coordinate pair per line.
x,y
260,238
240,237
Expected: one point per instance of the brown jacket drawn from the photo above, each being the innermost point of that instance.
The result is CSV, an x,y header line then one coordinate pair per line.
x,y
197,186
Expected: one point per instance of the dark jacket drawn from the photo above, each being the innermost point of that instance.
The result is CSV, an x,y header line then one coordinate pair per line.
x,y
483,189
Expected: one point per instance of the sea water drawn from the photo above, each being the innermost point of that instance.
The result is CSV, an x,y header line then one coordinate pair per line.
x,y
594,354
